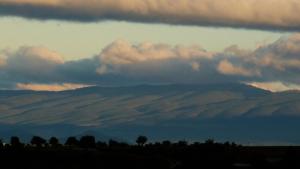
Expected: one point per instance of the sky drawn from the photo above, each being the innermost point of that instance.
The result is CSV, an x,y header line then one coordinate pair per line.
x,y
69,37
64,44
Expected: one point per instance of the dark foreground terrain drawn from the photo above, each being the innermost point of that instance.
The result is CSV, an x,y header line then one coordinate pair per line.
x,y
86,153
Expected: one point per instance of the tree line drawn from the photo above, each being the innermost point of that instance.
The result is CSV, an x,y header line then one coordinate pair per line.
x,y
91,142
87,152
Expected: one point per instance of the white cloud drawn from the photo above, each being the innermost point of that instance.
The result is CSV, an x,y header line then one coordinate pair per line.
x,y
275,86
260,14
32,60
40,53
195,66
102,69
2,62
227,68
121,53
281,55
277,61
50,87
124,63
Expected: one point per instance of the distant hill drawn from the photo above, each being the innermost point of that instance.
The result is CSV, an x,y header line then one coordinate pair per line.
x,y
223,111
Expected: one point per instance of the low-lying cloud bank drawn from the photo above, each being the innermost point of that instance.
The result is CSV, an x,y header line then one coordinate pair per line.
x,y
2,62
273,67
275,86
50,87
257,14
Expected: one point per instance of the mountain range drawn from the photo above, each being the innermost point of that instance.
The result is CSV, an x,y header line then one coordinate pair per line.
x,y
233,112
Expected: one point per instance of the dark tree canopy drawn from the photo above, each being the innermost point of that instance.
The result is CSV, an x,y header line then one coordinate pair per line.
x,y
15,142
87,142
53,141
38,141
72,141
210,141
112,143
101,144
85,153
166,143
182,143
141,140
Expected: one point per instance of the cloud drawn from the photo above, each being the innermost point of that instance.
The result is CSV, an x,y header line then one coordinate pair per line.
x,y
124,63
275,86
31,62
227,68
121,53
2,62
33,58
195,66
281,55
50,87
258,14
278,61
39,65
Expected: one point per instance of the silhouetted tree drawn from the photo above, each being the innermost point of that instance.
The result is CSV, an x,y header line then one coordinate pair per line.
x,y
117,144
72,141
15,142
1,143
227,144
123,144
113,143
101,144
166,143
38,141
141,140
157,144
53,141
182,143
196,144
210,141
233,144
87,142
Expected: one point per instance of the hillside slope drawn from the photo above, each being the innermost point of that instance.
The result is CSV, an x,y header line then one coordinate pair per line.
x,y
173,109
